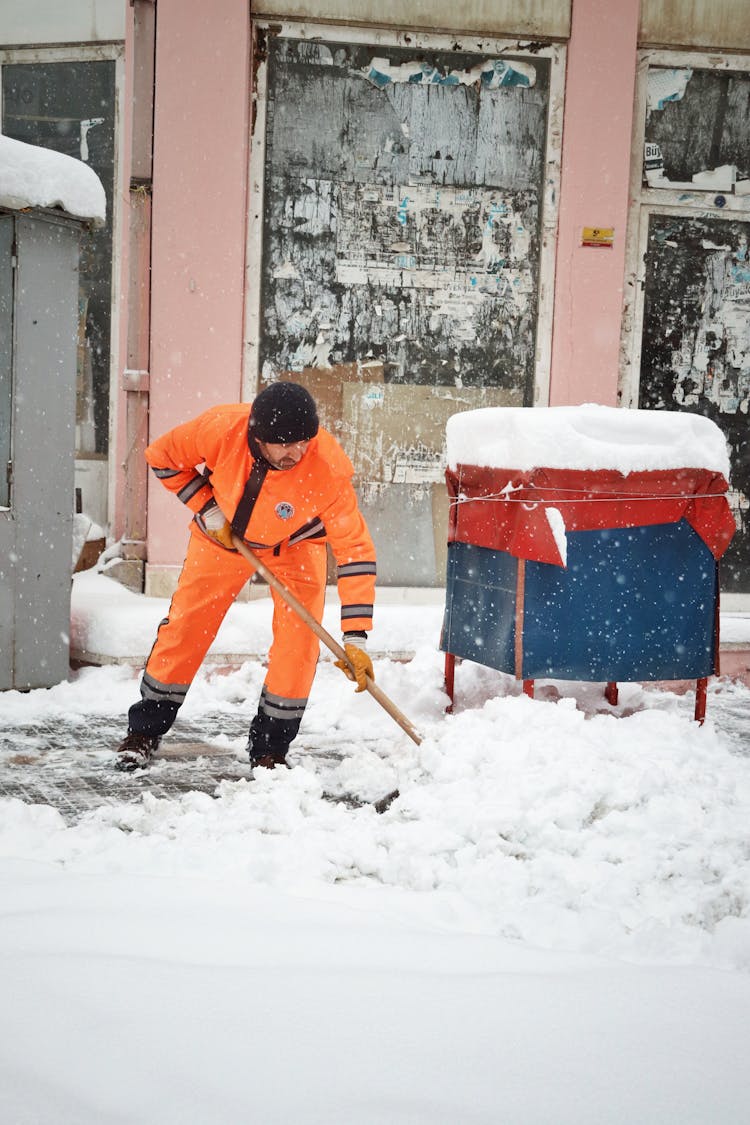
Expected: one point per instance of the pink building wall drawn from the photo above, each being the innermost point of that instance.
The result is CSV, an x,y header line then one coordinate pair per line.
x,y
596,154
201,137
200,210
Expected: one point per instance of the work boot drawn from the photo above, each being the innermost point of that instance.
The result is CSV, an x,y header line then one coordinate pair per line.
x,y
269,740
135,751
266,759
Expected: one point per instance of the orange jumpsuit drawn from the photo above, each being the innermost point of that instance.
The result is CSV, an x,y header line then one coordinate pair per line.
x,y
285,515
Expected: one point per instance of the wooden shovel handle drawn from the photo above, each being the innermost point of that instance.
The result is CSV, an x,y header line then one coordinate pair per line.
x,y
337,650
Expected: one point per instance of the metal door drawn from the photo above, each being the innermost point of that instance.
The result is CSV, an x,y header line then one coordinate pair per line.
x,y
7,525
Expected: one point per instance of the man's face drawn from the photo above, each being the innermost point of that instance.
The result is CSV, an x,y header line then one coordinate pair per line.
x,y
283,456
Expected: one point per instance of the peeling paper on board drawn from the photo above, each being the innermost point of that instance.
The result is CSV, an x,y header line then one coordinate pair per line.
x,y
418,467
723,178
666,84
387,235
372,397
492,74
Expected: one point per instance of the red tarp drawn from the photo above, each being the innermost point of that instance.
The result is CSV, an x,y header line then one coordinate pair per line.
x,y
506,510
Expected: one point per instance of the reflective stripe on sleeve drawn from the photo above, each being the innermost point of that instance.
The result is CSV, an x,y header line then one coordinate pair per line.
x,y
189,490
349,611
348,570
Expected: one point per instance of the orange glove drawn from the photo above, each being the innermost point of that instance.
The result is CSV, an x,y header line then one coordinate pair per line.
x,y
217,527
223,536
361,665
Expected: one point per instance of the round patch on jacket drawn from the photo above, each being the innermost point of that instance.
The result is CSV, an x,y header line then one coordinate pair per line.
x,y
284,510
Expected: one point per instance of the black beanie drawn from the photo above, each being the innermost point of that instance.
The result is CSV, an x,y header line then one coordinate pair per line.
x,y
284,413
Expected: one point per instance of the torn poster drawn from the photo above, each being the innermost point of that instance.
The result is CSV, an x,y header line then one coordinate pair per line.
x,y
493,74
401,222
666,85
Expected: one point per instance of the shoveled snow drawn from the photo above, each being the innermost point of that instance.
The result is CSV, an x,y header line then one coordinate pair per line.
x,y
585,437
31,176
551,924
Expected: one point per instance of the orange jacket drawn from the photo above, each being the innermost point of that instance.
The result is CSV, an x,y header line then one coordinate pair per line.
x,y
209,460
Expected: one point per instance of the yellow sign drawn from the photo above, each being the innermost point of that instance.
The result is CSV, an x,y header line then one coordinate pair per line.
x,y
598,236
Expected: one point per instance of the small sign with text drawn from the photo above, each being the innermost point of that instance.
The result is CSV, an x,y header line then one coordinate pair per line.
x,y
602,237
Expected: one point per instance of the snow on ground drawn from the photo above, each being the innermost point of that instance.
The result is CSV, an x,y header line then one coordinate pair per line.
x,y
551,924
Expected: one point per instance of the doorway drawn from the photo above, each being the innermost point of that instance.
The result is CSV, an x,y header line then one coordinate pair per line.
x,y
687,339
403,194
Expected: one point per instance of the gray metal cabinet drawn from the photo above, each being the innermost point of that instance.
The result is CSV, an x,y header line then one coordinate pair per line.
x,y
39,255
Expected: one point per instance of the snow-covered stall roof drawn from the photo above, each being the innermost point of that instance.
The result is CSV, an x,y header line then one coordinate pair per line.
x,y
38,177
585,437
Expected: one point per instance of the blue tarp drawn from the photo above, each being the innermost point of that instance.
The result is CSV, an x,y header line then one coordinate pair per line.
x,y
636,603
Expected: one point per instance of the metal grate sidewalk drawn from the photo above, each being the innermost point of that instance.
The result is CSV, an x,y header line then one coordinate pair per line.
x,y
68,763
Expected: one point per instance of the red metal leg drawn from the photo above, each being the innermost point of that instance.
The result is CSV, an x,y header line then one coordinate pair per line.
x,y
611,693
450,679
528,688
700,699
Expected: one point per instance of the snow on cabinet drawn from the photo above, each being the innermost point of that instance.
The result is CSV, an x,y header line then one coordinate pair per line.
x,y
584,544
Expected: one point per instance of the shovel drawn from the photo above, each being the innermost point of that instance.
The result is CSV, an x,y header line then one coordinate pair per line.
x,y
337,650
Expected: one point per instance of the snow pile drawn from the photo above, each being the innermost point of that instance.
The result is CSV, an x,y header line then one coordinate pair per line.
x,y
133,998
38,177
623,833
552,922
587,438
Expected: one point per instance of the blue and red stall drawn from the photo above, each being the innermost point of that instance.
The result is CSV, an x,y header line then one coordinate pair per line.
x,y
607,572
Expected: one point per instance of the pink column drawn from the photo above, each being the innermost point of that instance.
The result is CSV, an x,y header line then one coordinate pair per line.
x,y
201,136
597,138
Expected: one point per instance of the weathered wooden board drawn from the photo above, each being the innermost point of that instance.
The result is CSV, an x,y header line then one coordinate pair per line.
x,y
401,218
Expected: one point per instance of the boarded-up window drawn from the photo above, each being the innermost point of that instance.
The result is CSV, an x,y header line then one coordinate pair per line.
x,y
695,343
402,212
70,107
697,122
